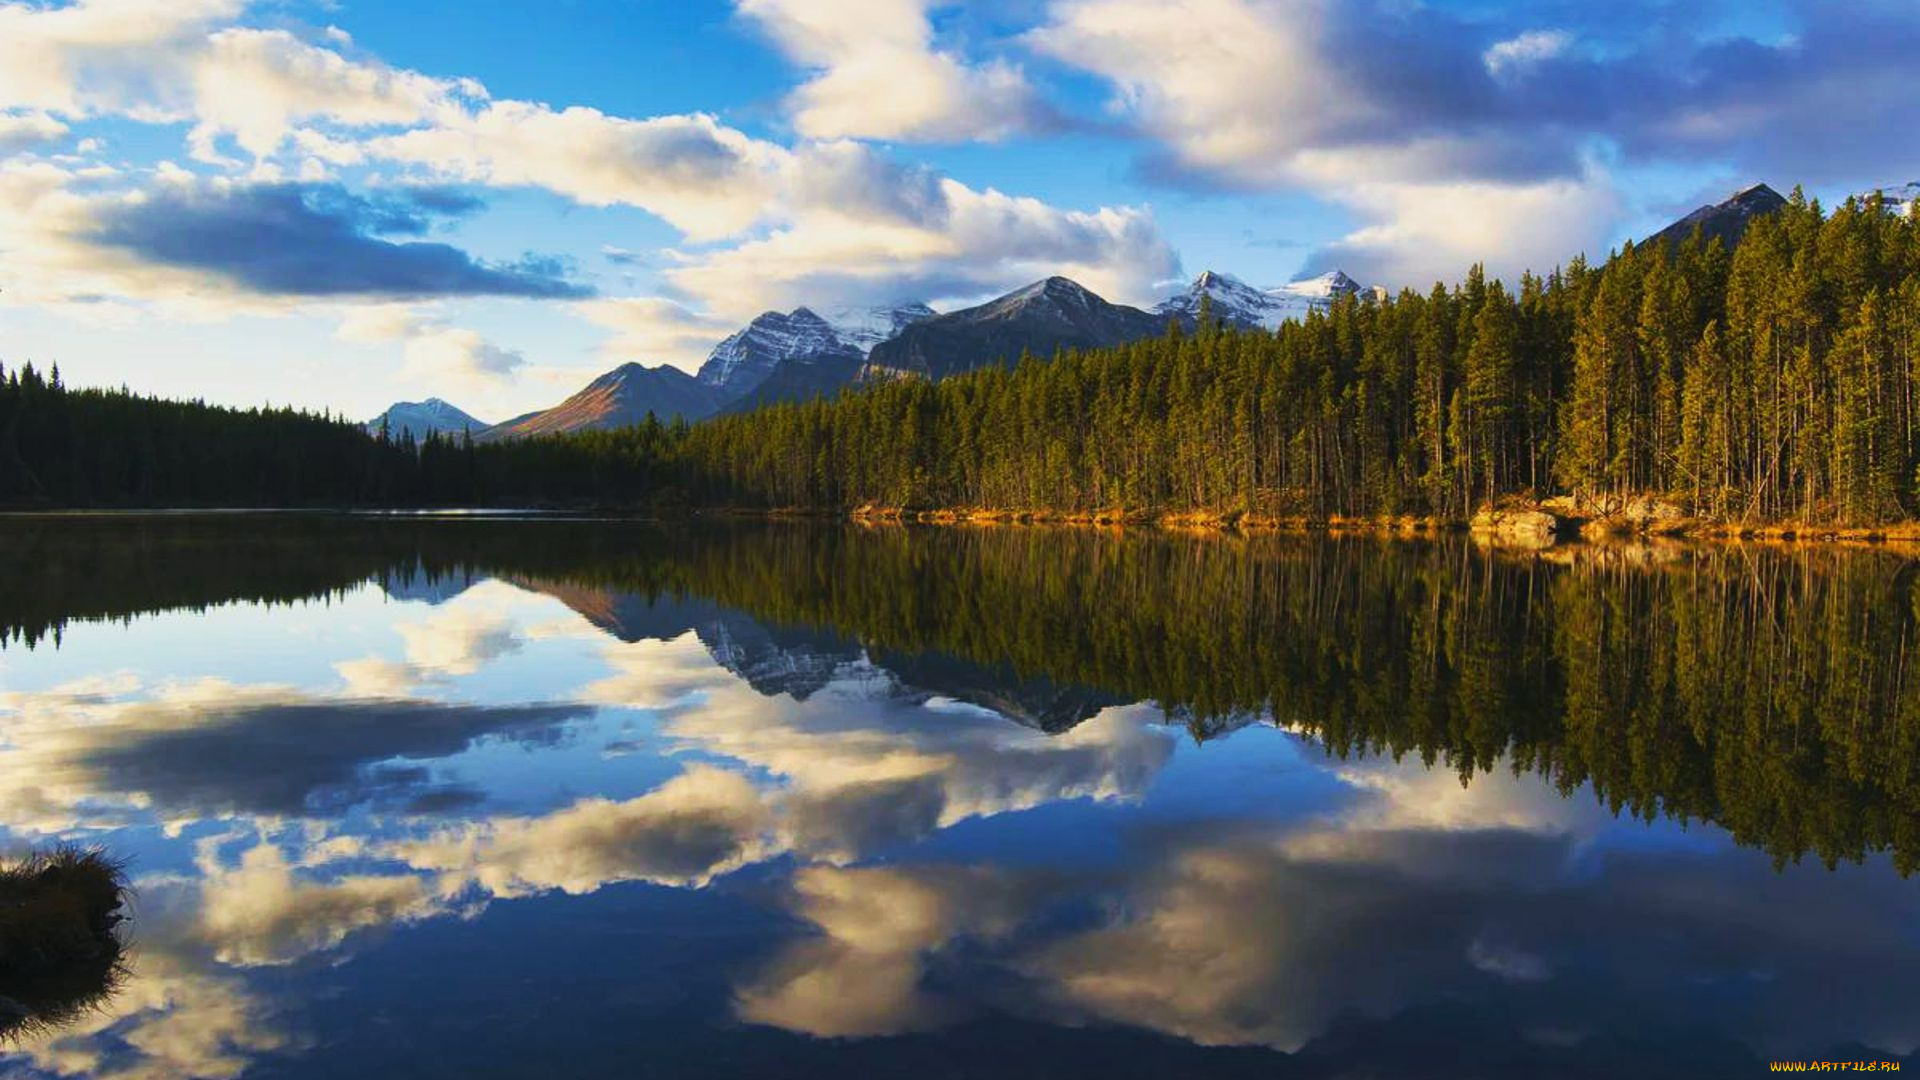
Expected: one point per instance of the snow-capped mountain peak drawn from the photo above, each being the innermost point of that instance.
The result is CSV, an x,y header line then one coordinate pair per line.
x,y
1899,198
865,327
1239,303
1329,287
745,359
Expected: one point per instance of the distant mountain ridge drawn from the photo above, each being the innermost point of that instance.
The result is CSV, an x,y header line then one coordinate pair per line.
x,y
800,354
1241,304
422,418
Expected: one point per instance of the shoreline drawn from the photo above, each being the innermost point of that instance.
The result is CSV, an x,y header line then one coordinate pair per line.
x,y
1522,529
1532,533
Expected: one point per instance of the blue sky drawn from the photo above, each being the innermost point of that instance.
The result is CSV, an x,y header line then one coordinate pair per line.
x,y
340,204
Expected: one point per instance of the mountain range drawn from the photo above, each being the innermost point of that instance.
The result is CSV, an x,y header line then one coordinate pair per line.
x,y
801,354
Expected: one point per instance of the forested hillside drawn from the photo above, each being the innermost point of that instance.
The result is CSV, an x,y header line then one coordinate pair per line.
x,y
1774,382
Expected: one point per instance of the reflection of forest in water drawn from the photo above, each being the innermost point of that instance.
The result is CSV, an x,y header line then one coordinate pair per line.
x,y
1761,689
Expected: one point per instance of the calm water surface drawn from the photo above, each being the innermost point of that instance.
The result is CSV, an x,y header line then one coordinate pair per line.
x,y
476,798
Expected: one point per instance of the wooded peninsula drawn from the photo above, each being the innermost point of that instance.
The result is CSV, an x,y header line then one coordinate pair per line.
x,y
1773,383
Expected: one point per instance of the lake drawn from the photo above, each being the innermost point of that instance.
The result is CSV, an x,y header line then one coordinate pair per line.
x,y
515,797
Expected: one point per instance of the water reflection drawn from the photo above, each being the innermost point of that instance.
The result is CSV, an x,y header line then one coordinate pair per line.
x,y
1279,807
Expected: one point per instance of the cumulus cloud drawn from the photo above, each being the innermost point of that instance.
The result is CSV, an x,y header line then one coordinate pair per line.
x,y
435,352
1454,141
1516,54
819,223
767,225
878,75
24,130
706,179
1392,113
656,328
969,243
311,240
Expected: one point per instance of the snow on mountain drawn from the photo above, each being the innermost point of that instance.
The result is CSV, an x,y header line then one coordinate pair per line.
x,y
423,418
1244,305
1900,198
744,361
1727,221
865,327
1326,288
1041,318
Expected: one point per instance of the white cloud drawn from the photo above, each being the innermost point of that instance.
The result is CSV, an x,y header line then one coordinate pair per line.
x,y
256,85
1420,233
655,329
1516,54
704,178
25,130
879,76
768,225
435,353
978,243
1257,93
177,62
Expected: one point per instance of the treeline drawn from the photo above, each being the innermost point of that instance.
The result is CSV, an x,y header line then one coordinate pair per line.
x,y
68,447
1773,382
62,447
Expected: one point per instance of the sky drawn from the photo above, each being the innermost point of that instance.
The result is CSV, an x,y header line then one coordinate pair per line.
x,y
342,203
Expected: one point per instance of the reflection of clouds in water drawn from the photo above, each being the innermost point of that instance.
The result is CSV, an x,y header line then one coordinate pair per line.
x,y
863,767
73,757
655,674
1415,890
698,825
862,975
458,640
260,912
1408,794
1268,936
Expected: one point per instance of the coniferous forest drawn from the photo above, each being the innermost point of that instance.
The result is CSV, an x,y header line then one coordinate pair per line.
x,y
1773,382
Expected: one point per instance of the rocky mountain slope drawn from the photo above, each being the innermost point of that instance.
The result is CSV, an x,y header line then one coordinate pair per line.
x,y
1048,315
621,397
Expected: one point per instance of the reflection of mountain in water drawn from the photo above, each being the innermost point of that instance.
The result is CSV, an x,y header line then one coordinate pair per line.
x,y
1034,701
799,662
